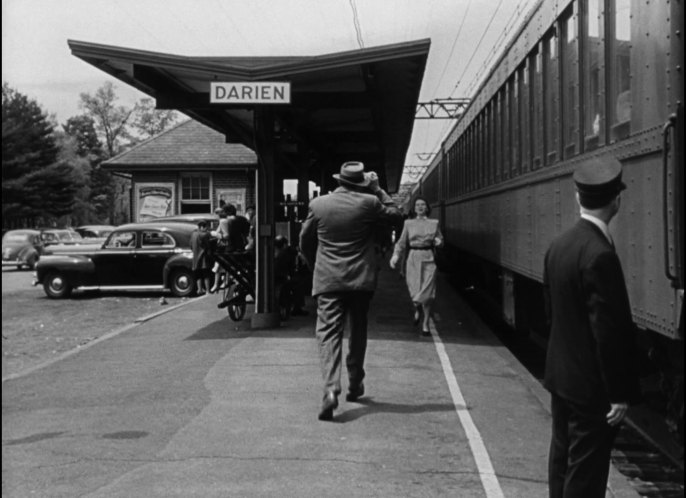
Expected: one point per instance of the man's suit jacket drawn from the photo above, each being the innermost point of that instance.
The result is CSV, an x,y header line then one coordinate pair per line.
x,y
591,357
337,239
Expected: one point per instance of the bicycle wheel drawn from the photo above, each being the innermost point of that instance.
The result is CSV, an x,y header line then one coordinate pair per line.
x,y
236,308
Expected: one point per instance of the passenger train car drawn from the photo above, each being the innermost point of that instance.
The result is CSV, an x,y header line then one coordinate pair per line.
x,y
579,79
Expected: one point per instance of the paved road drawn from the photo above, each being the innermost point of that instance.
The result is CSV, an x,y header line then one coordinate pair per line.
x,y
14,280
190,404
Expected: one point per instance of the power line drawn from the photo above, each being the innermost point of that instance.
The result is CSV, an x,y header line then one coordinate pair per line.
x,y
502,39
452,49
356,22
483,35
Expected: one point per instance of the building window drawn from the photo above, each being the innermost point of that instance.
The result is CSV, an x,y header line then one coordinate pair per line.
x,y
195,194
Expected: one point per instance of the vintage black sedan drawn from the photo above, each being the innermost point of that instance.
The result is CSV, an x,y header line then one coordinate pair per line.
x,y
137,256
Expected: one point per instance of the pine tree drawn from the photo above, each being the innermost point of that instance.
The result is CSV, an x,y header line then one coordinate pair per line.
x,y
35,183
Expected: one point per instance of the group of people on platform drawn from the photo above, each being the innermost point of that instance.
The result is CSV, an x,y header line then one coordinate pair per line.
x,y
234,233
591,357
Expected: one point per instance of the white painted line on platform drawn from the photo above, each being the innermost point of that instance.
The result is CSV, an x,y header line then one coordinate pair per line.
x,y
483,462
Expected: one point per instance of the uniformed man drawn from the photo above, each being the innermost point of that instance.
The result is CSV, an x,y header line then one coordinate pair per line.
x,y
591,359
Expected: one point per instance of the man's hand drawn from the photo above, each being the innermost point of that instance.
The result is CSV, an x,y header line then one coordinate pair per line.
x,y
617,413
394,261
373,180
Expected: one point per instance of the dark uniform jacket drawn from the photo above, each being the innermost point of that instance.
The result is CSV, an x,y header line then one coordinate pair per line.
x,y
591,357
337,239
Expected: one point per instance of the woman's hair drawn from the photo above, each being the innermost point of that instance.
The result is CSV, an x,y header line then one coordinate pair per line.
x,y
413,213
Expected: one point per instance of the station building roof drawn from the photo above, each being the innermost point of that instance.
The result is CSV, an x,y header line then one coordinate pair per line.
x,y
355,105
188,145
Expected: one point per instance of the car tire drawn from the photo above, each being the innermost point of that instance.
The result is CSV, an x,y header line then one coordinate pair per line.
x,y
182,283
56,286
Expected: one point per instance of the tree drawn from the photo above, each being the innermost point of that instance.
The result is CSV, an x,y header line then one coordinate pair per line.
x,y
110,120
149,121
100,193
35,181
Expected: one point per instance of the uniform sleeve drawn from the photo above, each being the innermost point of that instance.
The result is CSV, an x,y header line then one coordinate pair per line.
x,y
308,239
613,329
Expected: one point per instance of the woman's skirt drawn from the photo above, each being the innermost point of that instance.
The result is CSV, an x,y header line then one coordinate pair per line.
x,y
420,275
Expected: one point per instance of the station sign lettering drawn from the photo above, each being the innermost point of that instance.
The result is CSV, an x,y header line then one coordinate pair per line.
x,y
253,92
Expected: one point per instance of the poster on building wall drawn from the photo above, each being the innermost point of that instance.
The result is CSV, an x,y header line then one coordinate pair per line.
x,y
235,196
154,200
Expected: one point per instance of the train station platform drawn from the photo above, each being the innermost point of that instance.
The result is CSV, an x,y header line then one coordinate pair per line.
x,y
191,404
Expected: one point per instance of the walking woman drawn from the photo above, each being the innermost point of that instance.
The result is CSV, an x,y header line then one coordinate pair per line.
x,y
416,244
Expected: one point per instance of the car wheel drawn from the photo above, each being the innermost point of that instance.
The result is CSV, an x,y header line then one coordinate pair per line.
x,y
56,286
182,283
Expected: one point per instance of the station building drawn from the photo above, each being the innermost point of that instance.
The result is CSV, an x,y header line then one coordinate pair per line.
x,y
189,168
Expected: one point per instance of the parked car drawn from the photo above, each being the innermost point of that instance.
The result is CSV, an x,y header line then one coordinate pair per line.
x,y
22,248
94,234
137,256
211,219
95,231
53,236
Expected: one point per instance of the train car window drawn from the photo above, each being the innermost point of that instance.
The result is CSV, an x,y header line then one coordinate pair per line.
x,y
593,89
491,142
569,68
506,130
461,161
469,158
620,71
551,92
472,157
514,126
498,137
524,122
537,108
483,151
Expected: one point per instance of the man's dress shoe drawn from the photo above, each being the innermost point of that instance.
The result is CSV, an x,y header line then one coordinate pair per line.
x,y
355,392
329,404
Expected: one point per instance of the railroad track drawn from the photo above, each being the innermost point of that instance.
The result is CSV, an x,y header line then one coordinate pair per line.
x,y
654,465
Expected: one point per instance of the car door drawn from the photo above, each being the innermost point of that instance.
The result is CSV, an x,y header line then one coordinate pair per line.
x,y
155,249
114,262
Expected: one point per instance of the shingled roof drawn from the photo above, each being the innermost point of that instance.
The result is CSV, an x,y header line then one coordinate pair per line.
x,y
189,145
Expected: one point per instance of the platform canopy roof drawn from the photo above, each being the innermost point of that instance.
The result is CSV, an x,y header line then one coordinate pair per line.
x,y
353,105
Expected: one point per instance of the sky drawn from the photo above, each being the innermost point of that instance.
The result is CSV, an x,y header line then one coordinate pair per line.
x,y
466,36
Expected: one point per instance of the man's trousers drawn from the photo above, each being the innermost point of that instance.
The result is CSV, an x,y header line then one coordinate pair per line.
x,y
332,310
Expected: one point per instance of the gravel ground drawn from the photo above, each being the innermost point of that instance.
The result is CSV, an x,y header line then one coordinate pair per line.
x,y
36,329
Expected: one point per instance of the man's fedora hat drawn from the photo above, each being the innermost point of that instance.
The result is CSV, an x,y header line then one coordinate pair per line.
x,y
599,177
352,173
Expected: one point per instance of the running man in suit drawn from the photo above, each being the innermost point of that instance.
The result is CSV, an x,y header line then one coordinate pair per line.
x,y
337,241
591,359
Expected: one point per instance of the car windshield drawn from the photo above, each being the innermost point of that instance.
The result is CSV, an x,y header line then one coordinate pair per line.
x,y
64,235
15,237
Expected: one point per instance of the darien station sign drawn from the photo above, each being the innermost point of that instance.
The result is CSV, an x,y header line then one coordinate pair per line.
x,y
252,92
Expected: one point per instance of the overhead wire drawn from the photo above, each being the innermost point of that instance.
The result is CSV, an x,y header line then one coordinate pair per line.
x,y
476,49
497,45
452,49
442,134
356,22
